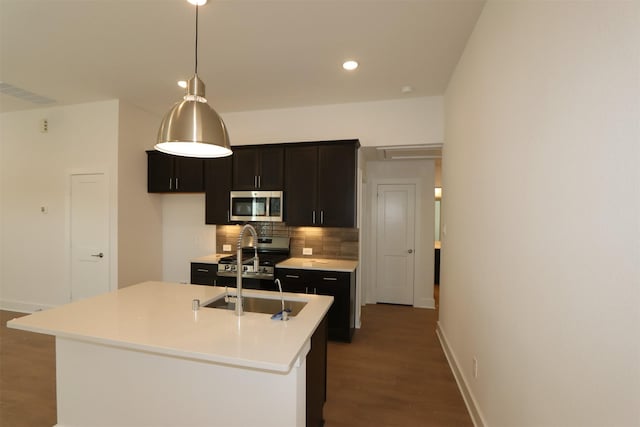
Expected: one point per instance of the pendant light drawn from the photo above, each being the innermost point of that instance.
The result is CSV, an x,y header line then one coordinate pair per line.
x,y
192,128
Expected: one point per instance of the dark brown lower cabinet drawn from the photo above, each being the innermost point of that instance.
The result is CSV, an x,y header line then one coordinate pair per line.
x,y
317,376
340,285
204,274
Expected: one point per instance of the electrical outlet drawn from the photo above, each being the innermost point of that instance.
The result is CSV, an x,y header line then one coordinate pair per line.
x,y
475,367
307,251
226,248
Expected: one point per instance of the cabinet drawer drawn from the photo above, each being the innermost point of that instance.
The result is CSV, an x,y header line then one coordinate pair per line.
x,y
204,274
339,285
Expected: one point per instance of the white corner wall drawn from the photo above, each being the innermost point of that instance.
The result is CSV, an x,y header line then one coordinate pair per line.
x,y
185,236
540,274
396,122
34,170
139,212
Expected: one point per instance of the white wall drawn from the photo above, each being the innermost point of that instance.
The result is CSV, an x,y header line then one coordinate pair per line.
x,y
397,122
139,212
420,172
35,169
541,261
185,235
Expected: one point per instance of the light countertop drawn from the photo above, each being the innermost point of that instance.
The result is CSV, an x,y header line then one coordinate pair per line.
x,y
297,263
319,264
211,259
157,317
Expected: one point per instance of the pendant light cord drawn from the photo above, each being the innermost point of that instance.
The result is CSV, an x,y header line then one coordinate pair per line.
x,y
196,40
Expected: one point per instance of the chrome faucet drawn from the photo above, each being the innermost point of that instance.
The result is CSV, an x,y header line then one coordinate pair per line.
x,y
254,234
285,313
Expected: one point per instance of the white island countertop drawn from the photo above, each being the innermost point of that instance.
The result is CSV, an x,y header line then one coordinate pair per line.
x,y
157,317
343,265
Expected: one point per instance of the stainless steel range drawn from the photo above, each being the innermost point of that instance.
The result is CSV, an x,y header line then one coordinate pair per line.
x,y
271,250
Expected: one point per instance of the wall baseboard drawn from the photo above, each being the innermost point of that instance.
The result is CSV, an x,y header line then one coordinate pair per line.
x,y
22,307
467,396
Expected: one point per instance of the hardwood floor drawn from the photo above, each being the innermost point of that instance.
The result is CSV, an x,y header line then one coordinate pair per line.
x,y
394,373
27,377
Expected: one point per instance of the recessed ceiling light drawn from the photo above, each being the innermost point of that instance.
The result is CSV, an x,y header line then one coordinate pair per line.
x,y
182,84
350,65
198,2
407,89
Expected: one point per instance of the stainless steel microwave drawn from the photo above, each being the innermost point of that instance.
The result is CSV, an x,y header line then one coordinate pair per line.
x,y
256,206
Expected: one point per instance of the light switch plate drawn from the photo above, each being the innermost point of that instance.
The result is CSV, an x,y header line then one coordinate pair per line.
x,y
307,251
226,248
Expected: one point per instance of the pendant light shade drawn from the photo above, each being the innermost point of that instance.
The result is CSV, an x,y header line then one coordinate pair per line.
x,y
192,128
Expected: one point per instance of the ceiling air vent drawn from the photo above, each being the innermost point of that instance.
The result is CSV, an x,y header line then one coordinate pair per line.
x,y
410,152
25,95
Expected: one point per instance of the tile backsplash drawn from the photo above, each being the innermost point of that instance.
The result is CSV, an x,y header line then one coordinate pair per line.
x,y
338,243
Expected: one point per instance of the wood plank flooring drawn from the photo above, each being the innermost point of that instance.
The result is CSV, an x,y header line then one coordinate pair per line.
x,y
394,373
27,377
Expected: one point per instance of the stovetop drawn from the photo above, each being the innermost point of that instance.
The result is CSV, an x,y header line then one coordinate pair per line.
x,y
263,259
271,250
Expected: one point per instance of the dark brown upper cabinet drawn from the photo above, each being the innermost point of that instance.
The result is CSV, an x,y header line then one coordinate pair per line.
x,y
217,184
258,167
174,174
320,183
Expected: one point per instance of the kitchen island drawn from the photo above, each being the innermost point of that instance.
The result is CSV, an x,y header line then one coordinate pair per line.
x,y
141,356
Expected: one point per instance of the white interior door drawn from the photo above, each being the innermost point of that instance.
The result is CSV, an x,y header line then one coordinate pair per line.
x,y
395,243
89,235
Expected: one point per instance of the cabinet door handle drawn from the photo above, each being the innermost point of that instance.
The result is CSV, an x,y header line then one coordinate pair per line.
x,y
314,217
176,183
255,181
202,270
306,289
322,216
315,291
100,255
170,183
228,216
259,181
291,276
333,279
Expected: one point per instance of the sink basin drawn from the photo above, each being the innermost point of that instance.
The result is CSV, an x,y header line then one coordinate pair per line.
x,y
259,305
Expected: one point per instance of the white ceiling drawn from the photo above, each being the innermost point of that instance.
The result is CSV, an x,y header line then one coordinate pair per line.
x,y
253,54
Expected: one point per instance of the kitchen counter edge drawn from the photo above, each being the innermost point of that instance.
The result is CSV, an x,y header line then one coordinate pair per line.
x,y
341,265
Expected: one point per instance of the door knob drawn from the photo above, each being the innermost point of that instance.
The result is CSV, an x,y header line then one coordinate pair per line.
x,y
100,255
410,251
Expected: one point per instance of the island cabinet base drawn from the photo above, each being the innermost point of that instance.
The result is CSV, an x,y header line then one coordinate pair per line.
x,y
102,385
